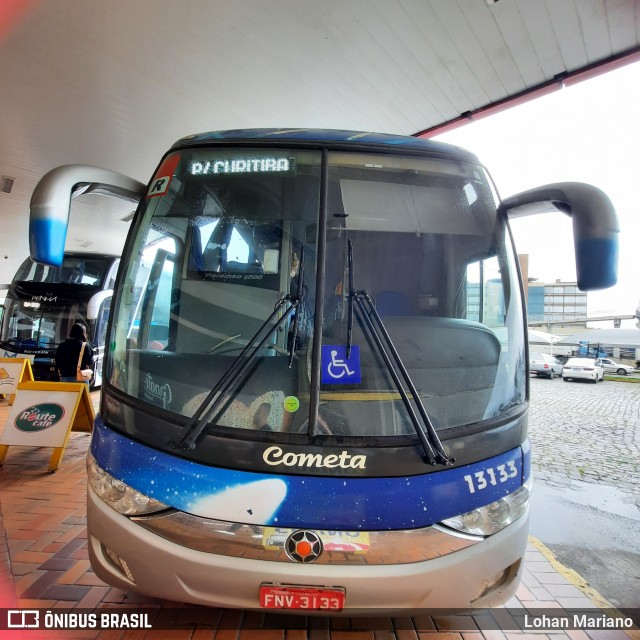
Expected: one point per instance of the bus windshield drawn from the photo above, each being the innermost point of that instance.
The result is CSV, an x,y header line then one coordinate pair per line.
x,y
84,270
44,302
27,325
227,235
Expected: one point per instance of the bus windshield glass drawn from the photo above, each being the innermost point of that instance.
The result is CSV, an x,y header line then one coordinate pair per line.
x,y
30,325
74,270
227,235
44,302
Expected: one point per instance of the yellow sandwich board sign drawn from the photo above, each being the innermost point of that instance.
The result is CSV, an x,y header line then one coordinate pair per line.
x,y
44,414
13,371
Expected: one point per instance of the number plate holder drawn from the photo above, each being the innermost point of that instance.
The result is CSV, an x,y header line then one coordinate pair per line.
x,y
283,596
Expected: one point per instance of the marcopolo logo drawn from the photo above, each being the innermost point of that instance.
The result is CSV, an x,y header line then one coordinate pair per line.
x,y
154,391
39,417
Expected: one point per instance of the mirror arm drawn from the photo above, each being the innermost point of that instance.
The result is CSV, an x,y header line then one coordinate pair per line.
x,y
51,201
595,226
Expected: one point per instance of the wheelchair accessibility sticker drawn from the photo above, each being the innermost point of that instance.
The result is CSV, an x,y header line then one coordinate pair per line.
x,y
337,368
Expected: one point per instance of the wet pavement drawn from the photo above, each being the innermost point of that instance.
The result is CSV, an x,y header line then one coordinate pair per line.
x,y
585,432
586,461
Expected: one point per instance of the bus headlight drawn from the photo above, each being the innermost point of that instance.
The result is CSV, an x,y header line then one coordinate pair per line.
x,y
118,495
495,516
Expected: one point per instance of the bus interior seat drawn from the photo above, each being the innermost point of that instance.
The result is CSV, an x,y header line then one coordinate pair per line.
x,y
453,363
392,303
232,266
71,275
195,374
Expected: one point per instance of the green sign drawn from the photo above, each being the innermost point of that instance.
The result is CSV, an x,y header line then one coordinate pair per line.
x,y
291,404
39,417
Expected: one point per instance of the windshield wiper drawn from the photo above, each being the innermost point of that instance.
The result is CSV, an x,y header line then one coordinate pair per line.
x,y
352,294
299,307
220,392
372,323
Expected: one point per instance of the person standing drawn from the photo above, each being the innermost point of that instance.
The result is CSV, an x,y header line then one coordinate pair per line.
x,y
68,354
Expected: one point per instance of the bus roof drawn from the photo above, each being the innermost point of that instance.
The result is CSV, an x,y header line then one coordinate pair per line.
x,y
323,136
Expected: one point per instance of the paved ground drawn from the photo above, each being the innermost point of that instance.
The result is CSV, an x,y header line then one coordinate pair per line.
x,y
44,565
586,432
586,501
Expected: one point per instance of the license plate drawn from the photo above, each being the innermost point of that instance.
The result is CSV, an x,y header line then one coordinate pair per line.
x,y
301,597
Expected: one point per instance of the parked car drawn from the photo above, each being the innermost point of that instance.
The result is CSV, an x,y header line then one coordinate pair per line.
x,y
544,365
582,369
614,367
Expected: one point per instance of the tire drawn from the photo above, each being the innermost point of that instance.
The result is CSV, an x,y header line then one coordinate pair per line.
x,y
551,375
565,379
621,372
595,380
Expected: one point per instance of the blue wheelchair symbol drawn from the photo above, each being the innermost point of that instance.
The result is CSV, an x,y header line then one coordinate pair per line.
x,y
337,368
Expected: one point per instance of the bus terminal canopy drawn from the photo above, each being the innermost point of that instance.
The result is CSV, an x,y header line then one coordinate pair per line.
x,y
606,337
541,337
113,84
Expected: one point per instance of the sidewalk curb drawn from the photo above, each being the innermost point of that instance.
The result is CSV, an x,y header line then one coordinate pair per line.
x,y
572,576
580,583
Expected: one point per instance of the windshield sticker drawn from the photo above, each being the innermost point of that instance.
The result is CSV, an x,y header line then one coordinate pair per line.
x,y
164,174
154,391
337,368
291,404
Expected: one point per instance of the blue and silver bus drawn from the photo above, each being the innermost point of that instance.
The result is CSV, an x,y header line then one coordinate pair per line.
x,y
43,303
316,384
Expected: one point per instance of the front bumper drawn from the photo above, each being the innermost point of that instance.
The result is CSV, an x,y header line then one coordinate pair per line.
x,y
482,575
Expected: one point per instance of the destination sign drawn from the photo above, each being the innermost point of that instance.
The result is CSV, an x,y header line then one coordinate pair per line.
x,y
241,165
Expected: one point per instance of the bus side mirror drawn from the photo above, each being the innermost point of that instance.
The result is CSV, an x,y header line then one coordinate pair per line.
x,y
595,226
51,200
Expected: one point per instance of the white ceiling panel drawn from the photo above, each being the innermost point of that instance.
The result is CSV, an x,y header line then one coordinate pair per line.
x,y
115,83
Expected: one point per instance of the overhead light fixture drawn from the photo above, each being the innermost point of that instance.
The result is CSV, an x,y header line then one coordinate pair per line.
x,y
128,217
6,184
490,2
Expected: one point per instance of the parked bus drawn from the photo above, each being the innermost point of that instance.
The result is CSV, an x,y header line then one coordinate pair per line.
x,y
43,302
316,388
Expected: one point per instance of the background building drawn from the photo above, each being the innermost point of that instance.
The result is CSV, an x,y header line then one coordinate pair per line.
x,y
555,303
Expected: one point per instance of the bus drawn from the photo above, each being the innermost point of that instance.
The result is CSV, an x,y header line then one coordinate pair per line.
x,y
316,388
44,301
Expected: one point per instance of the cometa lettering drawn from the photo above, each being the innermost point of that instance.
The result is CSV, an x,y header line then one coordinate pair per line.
x,y
275,456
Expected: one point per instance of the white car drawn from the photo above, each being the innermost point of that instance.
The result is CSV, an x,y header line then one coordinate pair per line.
x,y
544,365
614,367
582,369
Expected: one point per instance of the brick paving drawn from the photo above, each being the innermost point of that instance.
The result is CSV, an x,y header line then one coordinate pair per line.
x,y
596,439
44,565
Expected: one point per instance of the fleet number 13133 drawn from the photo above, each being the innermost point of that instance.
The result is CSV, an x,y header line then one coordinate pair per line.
x,y
482,479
